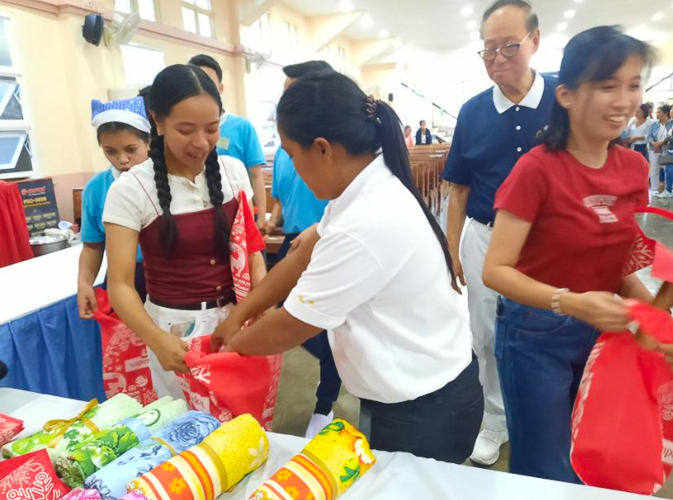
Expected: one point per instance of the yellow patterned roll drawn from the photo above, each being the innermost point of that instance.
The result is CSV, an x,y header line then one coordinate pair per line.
x,y
325,468
207,470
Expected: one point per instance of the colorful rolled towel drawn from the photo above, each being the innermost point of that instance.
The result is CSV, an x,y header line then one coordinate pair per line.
x,y
207,470
102,448
59,435
80,494
178,436
326,467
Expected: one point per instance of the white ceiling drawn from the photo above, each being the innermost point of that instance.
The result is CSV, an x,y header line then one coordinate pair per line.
x,y
438,27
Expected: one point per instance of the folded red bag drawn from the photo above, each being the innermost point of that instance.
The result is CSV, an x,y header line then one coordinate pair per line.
x,y
9,428
226,384
126,366
30,477
622,428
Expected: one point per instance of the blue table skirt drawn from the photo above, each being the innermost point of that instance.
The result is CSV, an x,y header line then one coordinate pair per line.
x,y
53,351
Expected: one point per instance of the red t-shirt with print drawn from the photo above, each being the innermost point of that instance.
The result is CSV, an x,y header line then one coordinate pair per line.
x,y
583,219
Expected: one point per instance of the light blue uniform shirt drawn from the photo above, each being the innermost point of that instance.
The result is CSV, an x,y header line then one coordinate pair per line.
x,y
93,203
301,209
238,138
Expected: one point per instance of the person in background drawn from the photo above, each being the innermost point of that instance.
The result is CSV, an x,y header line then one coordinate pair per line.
x,y
299,209
408,138
239,139
180,205
494,129
423,135
123,132
565,202
376,273
655,141
667,159
638,131
650,106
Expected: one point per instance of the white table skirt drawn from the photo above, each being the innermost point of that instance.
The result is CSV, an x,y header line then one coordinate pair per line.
x,y
36,283
395,475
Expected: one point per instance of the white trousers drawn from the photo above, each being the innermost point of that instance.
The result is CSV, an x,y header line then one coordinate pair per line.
x,y
482,306
185,325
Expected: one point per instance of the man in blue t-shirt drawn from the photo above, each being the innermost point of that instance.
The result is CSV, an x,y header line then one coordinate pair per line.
x,y
239,139
494,129
300,209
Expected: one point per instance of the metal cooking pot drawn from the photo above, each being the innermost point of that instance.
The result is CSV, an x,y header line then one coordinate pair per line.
x,y
43,245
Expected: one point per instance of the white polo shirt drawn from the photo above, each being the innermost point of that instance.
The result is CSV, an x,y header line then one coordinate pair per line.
x,y
379,283
133,202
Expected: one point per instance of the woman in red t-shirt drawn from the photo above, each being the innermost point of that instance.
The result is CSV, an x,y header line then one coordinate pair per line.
x,y
564,230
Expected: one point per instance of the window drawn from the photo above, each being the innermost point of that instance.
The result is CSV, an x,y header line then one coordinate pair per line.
x,y
197,17
145,8
15,153
290,32
141,64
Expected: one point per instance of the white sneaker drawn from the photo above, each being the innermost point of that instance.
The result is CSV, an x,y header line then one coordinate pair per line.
x,y
664,194
487,448
318,422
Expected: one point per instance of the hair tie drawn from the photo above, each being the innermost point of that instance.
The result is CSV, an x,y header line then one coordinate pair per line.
x,y
372,107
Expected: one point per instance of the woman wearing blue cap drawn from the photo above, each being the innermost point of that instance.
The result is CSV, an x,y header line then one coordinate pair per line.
x,y
123,132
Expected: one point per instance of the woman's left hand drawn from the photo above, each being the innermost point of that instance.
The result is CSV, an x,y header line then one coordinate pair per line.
x,y
224,333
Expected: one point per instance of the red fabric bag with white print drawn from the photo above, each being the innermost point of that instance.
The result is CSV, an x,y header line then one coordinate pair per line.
x,y
227,385
622,424
9,428
126,366
30,477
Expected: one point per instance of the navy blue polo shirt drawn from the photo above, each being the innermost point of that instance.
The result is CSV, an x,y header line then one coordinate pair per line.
x,y
491,135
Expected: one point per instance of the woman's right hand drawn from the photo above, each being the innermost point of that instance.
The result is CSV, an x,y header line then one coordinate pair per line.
x,y
86,301
603,310
170,351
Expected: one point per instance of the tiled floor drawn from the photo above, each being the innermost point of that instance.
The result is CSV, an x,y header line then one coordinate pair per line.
x,y
300,371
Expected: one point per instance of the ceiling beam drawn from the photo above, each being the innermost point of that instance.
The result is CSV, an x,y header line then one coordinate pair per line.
x,y
324,29
250,10
365,51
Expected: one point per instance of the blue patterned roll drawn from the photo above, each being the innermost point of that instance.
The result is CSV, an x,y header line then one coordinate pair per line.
x,y
187,431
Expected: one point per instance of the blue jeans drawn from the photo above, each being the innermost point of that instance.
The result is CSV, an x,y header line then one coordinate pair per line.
x,y
669,177
443,425
541,357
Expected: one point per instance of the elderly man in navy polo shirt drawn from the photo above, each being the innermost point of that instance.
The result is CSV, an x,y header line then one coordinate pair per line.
x,y
494,129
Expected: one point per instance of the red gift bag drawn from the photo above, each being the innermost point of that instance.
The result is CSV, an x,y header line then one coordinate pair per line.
x,y
30,477
9,428
622,424
126,366
227,385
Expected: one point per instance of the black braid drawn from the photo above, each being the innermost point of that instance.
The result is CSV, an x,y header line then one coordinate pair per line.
x,y
222,225
169,231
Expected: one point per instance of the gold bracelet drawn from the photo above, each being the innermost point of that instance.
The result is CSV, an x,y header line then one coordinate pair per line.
x,y
556,300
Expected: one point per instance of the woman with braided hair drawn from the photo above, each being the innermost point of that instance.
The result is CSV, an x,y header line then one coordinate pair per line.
x,y
375,272
179,205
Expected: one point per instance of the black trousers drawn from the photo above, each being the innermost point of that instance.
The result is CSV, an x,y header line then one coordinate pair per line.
x,y
443,425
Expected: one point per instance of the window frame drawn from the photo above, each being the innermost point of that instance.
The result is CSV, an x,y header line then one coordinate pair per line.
x,y
135,7
19,128
184,4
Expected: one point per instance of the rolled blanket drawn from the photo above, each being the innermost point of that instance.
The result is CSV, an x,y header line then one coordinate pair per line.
x,y
326,467
59,435
207,470
102,448
178,436
80,494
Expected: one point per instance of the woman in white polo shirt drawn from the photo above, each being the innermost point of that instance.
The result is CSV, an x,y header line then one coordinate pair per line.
x,y
375,273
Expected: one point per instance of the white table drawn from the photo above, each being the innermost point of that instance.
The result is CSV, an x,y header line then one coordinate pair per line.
x,y
36,283
395,476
